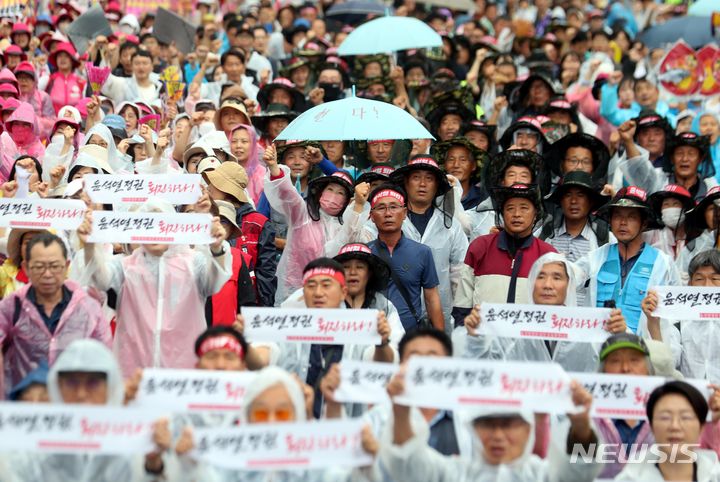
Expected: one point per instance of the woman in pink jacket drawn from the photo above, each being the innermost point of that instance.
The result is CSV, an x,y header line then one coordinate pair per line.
x,y
314,226
22,137
65,87
244,146
39,100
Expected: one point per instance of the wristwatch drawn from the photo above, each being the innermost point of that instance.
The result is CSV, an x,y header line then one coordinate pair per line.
x,y
217,255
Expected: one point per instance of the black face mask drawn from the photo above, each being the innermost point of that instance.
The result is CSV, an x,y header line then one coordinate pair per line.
x,y
332,91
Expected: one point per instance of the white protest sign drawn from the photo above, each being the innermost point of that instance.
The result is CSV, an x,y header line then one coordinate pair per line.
x,y
284,446
687,302
624,396
311,325
546,322
41,213
364,382
144,228
192,390
80,429
453,383
173,188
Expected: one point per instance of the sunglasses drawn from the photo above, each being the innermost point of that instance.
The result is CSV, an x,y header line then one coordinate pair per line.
x,y
263,415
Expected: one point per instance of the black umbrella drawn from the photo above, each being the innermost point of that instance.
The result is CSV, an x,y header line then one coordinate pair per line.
x,y
695,31
354,11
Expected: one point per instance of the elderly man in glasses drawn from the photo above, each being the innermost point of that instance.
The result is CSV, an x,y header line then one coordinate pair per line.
x,y
41,319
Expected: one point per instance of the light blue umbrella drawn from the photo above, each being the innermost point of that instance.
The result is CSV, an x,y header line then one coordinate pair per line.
x,y
704,8
354,119
389,34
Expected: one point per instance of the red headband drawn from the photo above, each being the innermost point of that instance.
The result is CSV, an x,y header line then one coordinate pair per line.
x,y
355,248
387,193
378,141
223,342
332,272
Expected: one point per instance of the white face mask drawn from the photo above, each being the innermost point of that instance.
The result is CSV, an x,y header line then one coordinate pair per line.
x,y
673,217
58,139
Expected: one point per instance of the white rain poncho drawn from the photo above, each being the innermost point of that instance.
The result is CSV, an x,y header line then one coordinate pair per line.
x,y
415,460
267,378
81,356
118,161
577,357
161,299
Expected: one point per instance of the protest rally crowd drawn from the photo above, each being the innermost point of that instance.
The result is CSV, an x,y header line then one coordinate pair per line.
x,y
512,224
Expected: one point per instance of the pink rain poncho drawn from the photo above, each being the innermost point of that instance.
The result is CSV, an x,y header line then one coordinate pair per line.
x,y
14,147
28,341
255,170
306,239
161,299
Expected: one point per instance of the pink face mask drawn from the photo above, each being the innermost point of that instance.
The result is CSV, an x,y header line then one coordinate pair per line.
x,y
332,202
22,134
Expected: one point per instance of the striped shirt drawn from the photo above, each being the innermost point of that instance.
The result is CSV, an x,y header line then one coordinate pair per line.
x,y
575,248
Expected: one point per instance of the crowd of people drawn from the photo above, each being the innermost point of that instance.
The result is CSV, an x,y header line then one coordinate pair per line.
x,y
560,172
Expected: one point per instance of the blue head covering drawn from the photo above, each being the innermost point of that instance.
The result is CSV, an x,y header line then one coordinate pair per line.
x,y
39,376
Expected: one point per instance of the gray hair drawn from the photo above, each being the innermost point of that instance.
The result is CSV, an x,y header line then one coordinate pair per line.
x,y
711,257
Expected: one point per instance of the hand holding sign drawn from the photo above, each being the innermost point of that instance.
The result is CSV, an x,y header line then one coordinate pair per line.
x,y
687,303
472,321
332,326
581,429
549,322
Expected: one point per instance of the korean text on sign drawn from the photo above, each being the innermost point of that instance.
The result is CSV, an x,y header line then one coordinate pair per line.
x,y
41,213
545,322
623,396
75,429
688,302
145,228
333,327
284,446
364,382
192,390
451,383
173,188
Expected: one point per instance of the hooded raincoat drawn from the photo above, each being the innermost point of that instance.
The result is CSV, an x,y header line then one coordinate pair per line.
x,y
119,162
572,356
41,103
28,340
10,149
80,356
306,239
415,460
253,167
161,299
267,378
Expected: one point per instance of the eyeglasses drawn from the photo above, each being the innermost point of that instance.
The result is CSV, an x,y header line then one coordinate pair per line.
x,y
575,162
55,268
391,208
262,415
668,418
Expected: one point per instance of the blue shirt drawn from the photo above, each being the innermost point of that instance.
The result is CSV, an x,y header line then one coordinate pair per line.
x,y
628,434
413,265
51,321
